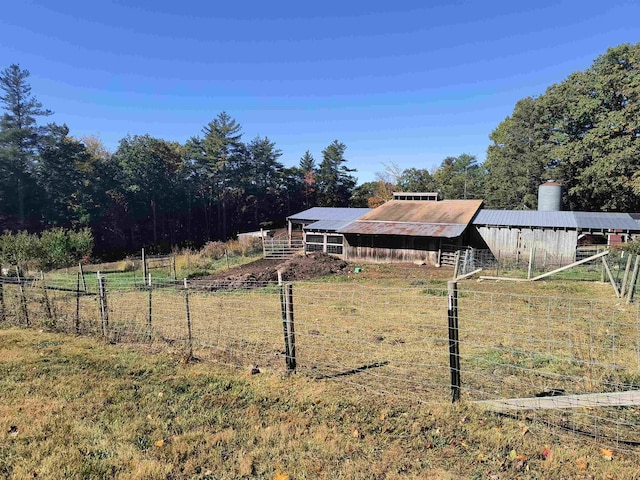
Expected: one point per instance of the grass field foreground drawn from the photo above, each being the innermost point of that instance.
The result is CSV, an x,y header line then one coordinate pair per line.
x,y
78,408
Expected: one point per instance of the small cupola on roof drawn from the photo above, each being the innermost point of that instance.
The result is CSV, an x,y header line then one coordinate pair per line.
x,y
421,196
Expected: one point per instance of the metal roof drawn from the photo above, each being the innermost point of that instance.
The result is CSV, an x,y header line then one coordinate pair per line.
x,y
416,211
526,218
414,229
327,225
606,221
447,219
329,213
546,219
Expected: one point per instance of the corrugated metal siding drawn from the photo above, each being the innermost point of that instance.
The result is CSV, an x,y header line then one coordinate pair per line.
x,y
329,213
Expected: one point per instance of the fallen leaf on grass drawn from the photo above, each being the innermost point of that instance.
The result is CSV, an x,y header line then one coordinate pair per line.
x,y
607,453
581,464
281,476
159,443
546,453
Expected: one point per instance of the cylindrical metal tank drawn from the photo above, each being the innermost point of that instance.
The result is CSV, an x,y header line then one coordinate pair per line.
x,y
550,197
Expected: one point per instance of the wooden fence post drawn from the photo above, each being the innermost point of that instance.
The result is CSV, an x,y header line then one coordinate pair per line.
x,y
634,279
144,266
23,299
175,272
456,263
47,304
625,278
84,283
186,303
150,317
283,310
291,335
2,307
104,312
77,319
454,342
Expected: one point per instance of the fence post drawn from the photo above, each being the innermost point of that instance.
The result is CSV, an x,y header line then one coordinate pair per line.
x,y
634,279
84,283
77,319
291,335
47,304
283,310
144,266
186,303
23,299
2,307
150,317
625,278
454,342
456,264
104,312
175,271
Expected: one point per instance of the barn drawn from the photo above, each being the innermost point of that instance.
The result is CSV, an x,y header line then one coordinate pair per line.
x,y
556,235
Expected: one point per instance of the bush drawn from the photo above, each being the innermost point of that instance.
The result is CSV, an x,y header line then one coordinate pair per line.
x,y
55,248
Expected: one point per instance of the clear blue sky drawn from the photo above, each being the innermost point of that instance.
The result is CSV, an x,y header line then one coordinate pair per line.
x,y
409,82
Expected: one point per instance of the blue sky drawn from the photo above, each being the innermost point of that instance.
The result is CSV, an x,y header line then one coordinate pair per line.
x,y
408,82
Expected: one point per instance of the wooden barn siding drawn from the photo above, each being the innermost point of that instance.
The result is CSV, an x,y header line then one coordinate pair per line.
x,y
355,249
559,245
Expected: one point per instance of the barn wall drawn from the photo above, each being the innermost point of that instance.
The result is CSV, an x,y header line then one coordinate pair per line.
x,y
557,246
390,249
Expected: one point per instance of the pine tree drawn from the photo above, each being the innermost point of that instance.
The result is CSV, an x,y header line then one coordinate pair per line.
x,y
20,137
335,184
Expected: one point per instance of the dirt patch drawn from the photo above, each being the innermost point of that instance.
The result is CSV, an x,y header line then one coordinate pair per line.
x,y
260,272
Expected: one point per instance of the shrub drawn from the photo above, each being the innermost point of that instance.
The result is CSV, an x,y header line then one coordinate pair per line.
x,y
55,248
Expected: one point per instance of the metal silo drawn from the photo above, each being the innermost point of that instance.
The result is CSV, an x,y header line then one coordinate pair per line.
x,y
550,197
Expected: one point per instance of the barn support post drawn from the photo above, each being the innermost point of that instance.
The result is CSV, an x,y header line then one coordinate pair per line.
x,y
634,280
76,322
189,334
532,256
454,342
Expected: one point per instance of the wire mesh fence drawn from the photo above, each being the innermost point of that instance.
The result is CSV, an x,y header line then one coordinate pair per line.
x,y
569,362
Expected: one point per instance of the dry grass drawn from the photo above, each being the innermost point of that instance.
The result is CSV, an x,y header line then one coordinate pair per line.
x,y
76,408
384,330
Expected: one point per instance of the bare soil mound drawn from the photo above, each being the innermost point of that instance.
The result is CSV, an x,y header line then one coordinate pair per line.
x,y
303,267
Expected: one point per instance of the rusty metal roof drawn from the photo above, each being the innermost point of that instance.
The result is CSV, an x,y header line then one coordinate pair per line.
x,y
448,218
414,229
446,211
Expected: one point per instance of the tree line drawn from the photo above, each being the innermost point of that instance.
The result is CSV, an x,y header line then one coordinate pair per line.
x,y
582,132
